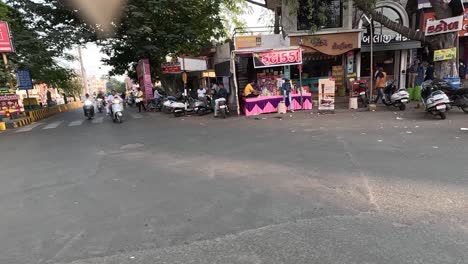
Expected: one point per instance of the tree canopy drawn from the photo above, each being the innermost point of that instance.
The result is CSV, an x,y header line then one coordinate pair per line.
x,y
31,51
152,29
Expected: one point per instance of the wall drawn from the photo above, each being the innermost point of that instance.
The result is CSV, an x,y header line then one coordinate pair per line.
x,y
223,53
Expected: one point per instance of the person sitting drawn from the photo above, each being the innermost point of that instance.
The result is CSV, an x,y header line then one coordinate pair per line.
x,y
249,90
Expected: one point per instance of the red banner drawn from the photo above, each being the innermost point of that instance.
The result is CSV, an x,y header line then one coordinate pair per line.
x,y
277,58
171,67
5,38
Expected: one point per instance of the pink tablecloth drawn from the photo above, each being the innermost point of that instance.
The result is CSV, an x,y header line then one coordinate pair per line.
x,y
269,104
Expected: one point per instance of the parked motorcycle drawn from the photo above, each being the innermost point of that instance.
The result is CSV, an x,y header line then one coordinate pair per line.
x,y
395,97
117,110
100,105
88,109
458,97
435,101
362,92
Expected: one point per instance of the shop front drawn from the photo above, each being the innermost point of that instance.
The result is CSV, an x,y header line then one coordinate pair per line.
x,y
327,55
268,69
391,51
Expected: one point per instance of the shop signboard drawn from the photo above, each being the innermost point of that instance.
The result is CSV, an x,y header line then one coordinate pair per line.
x,y
144,78
277,58
446,25
171,67
330,44
24,80
9,103
383,38
326,93
445,54
430,16
6,46
243,42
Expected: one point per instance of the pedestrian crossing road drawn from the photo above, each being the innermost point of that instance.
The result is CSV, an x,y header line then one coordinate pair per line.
x,y
44,125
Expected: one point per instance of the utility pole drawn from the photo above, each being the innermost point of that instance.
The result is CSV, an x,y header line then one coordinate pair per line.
x,y
83,71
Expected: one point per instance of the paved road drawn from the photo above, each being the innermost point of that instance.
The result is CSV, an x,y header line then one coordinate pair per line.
x,y
382,187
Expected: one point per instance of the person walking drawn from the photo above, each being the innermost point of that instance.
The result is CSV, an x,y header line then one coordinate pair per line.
x,y
380,80
139,100
286,90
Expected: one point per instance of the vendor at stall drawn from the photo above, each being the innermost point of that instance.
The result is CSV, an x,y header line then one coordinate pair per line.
x,y
249,90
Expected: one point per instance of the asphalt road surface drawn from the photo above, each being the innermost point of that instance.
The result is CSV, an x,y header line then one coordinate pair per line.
x,y
348,188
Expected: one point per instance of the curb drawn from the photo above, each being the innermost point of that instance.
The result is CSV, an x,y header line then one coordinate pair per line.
x,y
23,122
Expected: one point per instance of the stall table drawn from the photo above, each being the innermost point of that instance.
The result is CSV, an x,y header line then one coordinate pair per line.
x,y
269,104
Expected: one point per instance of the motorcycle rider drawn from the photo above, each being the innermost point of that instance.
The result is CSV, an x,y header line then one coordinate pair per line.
x,y
221,95
111,98
87,97
157,96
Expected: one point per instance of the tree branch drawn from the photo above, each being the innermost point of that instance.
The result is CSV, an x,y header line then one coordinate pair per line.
x,y
369,9
253,2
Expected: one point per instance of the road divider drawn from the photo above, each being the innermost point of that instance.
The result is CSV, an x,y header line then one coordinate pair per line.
x,y
50,111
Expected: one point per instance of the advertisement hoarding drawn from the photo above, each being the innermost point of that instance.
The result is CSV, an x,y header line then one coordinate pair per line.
x,y
6,46
326,94
445,54
144,79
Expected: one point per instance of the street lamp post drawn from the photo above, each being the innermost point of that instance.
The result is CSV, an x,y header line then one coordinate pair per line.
x,y
371,40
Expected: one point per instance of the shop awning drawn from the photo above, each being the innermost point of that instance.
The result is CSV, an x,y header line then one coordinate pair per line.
x,y
260,50
404,45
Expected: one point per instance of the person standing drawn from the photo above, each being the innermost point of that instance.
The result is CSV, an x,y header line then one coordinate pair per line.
x,y
380,80
139,100
430,73
412,74
286,91
201,93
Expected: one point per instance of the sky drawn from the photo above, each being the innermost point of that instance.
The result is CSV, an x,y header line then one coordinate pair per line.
x,y
92,54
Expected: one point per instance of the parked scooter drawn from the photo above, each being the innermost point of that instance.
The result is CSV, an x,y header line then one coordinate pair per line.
x,y
88,109
117,110
167,104
204,108
395,97
436,102
458,97
100,105
189,105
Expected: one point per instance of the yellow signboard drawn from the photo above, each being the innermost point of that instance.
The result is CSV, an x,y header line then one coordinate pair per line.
x,y
445,54
242,42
